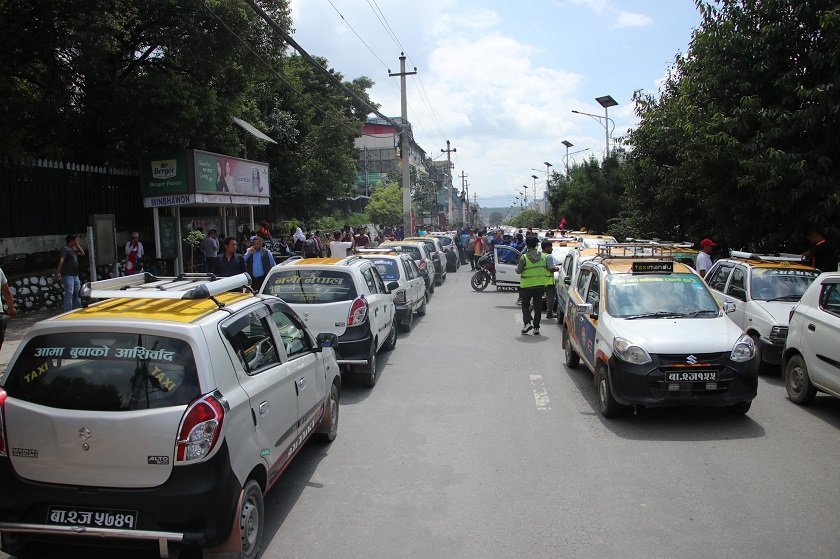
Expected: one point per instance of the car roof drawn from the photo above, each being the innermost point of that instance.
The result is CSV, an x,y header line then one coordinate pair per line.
x,y
625,265
318,261
769,264
164,310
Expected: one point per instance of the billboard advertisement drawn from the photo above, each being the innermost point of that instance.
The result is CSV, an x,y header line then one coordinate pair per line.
x,y
222,174
165,175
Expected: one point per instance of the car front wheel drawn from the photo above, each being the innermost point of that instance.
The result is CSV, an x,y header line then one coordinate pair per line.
x,y
797,382
572,358
607,404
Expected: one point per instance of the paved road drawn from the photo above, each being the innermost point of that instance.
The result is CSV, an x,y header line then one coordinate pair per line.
x,y
478,442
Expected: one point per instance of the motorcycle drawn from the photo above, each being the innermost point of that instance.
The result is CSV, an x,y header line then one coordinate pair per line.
x,y
486,273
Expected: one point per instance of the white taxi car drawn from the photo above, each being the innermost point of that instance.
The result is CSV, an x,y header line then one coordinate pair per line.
x,y
812,353
159,417
763,289
652,334
346,297
567,275
410,297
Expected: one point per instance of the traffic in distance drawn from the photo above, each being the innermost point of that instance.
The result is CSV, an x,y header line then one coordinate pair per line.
x,y
162,413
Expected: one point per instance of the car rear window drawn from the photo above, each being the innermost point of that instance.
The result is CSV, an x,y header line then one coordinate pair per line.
x,y
445,241
410,250
311,286
100,371
388,268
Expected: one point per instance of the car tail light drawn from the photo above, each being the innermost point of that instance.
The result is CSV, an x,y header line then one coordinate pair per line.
x,y
2,423
399,296
358,312
423,264
200,428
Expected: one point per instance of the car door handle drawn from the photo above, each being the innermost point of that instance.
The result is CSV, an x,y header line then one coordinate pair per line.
x,y
812,327
301,383
264,407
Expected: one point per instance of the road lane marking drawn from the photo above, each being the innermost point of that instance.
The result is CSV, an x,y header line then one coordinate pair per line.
x,y
540,393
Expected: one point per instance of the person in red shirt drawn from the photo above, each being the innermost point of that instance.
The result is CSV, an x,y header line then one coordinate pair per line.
x,y
822,254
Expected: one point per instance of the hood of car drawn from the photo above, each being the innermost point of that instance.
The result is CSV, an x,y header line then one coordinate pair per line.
x,y
776,311
679,335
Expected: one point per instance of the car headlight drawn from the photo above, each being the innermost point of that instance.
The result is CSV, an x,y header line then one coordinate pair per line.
x,y
778,334
626,351
744,349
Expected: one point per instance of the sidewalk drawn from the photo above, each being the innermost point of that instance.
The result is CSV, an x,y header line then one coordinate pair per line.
x,y
17,329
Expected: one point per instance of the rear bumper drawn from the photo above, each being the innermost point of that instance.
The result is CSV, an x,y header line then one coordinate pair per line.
x,y
646,385
354,345
194,507
771,353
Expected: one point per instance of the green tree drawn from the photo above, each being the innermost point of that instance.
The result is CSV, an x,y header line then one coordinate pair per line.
x,y
496,218
385,205
590,196
741,144
528,218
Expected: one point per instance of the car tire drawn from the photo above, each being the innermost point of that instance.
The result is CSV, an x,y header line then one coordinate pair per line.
x,y
407,324
329,427
572,358
251,520
369,370
431,288
740,408
391,342
421,310
451,266
16,546
798,382
607,404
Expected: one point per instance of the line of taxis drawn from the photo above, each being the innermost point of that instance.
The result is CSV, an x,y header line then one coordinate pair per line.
x,y
653,333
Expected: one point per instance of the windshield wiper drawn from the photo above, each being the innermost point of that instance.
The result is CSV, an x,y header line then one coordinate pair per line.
x,y
786,298
703,312
657,314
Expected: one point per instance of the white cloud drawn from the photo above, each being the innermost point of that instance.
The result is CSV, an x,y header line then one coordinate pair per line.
x,y
632,19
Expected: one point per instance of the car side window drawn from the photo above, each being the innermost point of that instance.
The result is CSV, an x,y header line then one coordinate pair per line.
x,y
583,281
254,345
367,273
830,299
717,279
293,334
593,293
738,284
567,267
380,283
409,273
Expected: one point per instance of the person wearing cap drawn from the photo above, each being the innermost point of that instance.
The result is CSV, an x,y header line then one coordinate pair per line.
x,y
704,259
258,261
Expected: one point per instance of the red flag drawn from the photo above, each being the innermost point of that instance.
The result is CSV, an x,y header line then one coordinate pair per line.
x,y
562,223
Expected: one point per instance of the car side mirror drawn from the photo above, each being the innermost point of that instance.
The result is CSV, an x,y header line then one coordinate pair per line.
x,y
567,281
728,307
393,286
327,339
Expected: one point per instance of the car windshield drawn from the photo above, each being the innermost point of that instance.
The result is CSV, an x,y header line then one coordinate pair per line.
x,y
310,286
99,371
779,284
445,241
388,268
594,242
655,296
412,250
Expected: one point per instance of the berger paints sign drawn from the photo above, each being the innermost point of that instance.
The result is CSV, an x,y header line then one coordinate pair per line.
x,y
165,175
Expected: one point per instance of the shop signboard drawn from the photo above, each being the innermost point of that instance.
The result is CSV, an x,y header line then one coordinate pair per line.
x,y
221,174
168,174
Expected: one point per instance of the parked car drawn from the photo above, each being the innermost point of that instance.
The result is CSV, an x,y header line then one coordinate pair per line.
x,y
410,297
812,354
450,249
438,256
421,256
162,416
567,276
763,289
652,335
346,297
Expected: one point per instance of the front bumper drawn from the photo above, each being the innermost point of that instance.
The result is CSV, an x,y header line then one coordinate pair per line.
x,y
770,352
194,507
354,345
646,385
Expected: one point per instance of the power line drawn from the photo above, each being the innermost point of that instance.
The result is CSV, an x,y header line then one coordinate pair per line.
x,y
384,21
357,35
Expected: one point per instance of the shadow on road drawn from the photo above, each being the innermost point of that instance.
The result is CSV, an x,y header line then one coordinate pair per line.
x,y
824,407
352,389
669,424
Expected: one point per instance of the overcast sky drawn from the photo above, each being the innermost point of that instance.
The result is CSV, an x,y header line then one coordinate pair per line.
x,y
499,78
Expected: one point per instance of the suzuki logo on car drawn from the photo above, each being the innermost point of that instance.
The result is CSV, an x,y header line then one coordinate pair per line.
x,y
85,433
692,359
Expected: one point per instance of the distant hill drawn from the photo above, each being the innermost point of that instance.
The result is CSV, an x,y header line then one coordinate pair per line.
x,y
487,212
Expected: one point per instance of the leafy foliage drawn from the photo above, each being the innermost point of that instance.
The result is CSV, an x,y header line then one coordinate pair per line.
x,y
590,197
529,218
385,205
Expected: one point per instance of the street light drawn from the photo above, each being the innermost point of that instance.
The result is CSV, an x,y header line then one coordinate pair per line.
x,y
535,177
547,175
568,144
606,101
525,194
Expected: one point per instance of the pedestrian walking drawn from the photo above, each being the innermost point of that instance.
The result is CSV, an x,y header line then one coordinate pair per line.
x,y
133,254
67,272
297,240
478,249
9,311
230,262
534,273
704,258
210,249
258,261
550,290
470,248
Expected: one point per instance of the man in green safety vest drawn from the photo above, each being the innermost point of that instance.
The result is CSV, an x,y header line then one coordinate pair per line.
x,y
534,276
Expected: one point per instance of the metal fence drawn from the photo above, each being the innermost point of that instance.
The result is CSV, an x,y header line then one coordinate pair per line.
x,y
40,197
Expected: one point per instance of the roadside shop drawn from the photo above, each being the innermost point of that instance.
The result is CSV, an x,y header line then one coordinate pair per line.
x,y
194,188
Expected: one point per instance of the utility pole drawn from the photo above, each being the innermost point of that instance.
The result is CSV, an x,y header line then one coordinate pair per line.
x,y
466,199
405,147
448,153
366,174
